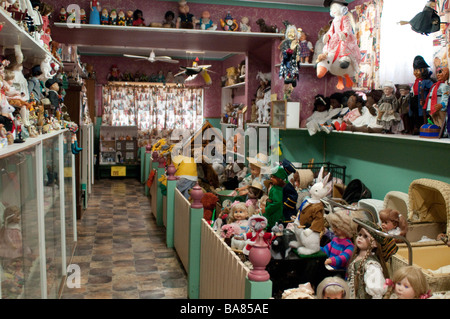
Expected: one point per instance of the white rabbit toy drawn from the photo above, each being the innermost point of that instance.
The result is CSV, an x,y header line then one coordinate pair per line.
x,y
310,219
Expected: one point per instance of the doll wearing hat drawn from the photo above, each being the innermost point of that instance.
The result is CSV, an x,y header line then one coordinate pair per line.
x,y
427,21
420,90
290,195
257,165
403,106
53,87
367,269
274,204
437,99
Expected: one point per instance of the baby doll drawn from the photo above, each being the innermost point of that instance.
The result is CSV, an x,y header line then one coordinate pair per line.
x,y
169,20
206,22
138,19
306,47
388,116
239,216
340,249
354,104
333,288
393,222
408,282
367,270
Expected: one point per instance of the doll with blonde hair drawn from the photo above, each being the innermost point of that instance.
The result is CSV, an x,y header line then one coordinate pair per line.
x,y
340,249
408,282
333,288
393,222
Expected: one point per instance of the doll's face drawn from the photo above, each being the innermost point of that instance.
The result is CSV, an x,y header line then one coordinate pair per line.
x,y
364,240
387,224
205,15
255,170
240,214
335,103
442,74
351,102
183,9
333,295
54,87
404,92
321,108
302,36
336,10
418,73
404,290
291,34
388,90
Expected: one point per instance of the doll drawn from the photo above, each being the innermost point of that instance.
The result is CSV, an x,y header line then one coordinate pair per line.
x,y
290,195
257,227
290,57
355,104
306,47
94,17
16,66
403,106
367,122
206,22
322,113
367,270
53,88
255,191
408,282
436,101
169,20
340,249
333,288
138,18
427,21
239,216
274,203
392,222
256,165
104,18
419,90
121,18
83,18
261,205
388,116
185,19
63,15
114,74
318,47
129,18
310,220
113,17
244,25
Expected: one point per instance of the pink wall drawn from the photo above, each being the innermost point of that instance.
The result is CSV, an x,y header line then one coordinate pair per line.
x,y
153,11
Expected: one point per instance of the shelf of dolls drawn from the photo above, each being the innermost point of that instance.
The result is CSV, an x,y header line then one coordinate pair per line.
x,y
169,38
13,34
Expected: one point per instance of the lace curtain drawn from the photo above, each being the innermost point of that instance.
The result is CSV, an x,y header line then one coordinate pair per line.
x,y
148,107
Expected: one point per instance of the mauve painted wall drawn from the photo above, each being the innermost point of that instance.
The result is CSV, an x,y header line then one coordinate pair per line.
x,y
153,11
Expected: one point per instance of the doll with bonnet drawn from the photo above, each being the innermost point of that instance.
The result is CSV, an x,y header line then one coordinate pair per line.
x,y
408,282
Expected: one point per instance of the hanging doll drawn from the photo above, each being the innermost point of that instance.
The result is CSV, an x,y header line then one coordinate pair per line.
x,y
427,21
437,99
310,218
94,17
306,47
388,115
367,269
393,222
333,288
420,90
290,57
341,54
340,249
408,282
73,128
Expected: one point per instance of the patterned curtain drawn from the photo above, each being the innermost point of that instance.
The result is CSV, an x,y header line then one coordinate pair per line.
x,y
150,107
368,37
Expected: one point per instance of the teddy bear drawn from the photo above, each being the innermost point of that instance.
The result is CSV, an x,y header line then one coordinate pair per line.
x,y
232,75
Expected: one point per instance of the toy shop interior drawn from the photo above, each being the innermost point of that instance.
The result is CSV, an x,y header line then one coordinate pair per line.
x,y
226,149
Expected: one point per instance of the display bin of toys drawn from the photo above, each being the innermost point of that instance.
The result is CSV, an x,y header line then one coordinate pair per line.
x,y
337,171
430,131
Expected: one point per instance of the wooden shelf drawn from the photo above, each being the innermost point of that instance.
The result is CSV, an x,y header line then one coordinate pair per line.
x,y
13,34
164,38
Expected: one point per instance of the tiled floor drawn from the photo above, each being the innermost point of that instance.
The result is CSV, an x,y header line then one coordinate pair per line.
x,y
121,251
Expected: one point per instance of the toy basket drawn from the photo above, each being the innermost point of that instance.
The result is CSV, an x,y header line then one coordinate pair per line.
x,y
337,171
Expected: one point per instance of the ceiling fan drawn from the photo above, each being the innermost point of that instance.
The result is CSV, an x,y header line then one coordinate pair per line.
x,y
152,58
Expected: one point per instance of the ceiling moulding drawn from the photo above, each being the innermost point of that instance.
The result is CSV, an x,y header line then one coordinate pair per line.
x,y
283,5
172,56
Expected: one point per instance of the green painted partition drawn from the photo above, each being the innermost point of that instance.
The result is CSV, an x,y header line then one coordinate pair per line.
x,y
170,209
160,171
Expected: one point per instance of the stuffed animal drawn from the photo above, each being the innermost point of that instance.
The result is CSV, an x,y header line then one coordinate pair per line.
x,y
310,220
209,201
232,75
266,28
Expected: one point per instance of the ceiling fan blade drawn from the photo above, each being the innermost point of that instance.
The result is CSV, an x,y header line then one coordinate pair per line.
x,y
204,66
170,61
179,73
135,56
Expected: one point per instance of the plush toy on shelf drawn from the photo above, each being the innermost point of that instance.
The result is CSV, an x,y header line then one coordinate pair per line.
x,y
263,27
209,202
310,220
341,54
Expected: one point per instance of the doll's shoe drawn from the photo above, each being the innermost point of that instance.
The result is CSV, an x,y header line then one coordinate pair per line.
x,y
337,126
74,151
77,148
343,126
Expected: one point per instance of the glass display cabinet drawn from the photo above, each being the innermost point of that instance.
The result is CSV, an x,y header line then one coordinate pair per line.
x,y
37,220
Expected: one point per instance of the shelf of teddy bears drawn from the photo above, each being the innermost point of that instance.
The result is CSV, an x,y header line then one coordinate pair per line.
x,y
169,38
12,34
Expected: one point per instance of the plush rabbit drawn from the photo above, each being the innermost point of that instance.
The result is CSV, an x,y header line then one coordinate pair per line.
x,y
310,220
